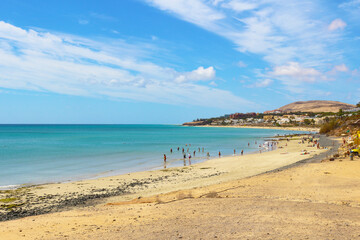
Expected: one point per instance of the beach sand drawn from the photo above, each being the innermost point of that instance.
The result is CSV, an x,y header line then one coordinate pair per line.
x,y
214,199
295,128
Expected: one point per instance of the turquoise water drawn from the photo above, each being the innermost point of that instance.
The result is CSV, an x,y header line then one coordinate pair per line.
x,y
33,154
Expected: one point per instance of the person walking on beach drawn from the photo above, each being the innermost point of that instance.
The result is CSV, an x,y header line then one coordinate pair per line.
x,y
164,160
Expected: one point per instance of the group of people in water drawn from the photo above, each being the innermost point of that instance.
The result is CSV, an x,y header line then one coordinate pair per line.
x,y
186,152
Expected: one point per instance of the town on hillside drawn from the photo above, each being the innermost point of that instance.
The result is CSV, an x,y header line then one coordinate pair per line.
x,y
279,118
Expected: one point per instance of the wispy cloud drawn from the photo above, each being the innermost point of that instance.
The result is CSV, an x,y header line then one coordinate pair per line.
x,y
67,64
337,24
241,64
350,4
103,17
83,21
340,68
297,43
262,83
278,30
194,11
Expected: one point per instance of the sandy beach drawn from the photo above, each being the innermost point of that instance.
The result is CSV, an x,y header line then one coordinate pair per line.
x,y
306,129
214,199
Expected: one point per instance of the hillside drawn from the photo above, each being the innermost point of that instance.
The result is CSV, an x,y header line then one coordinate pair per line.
x,y
315,106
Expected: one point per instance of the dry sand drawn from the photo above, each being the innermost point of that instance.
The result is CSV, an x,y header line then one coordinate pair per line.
x,y
215,200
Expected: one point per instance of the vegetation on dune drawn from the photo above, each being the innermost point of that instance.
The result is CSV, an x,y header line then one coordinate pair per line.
x,y
341,124
329,126
7,200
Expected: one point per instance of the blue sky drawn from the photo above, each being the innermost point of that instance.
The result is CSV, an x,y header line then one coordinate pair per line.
x,y
161,61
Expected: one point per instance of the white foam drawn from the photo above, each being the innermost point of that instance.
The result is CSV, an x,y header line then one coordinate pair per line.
x,y
9,187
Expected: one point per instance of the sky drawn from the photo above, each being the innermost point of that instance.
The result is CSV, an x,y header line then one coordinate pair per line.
x,y
172,61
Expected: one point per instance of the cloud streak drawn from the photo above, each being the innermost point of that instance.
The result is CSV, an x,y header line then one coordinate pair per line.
x,y
278,30
293,38
66,64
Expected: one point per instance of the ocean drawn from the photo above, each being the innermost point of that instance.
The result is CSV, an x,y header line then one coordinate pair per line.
x,y
36,154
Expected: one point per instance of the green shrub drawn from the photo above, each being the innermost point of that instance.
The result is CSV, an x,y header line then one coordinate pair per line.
x,y
327,127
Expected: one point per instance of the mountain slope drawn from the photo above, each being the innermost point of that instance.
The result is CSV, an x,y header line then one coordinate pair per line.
x,y
315,106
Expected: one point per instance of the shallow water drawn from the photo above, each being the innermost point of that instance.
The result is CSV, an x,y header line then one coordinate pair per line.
x,y
33,154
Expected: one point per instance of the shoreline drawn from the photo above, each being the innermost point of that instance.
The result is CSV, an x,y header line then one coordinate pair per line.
x,y
310,201
112,173
55,197
115,173
305,129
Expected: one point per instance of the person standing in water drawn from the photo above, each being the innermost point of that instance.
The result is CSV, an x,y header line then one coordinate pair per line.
x,y
170,150
242,152
234,151
219,154
194,152
189,159
164,160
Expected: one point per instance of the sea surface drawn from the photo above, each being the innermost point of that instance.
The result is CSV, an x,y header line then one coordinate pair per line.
x,y
35,154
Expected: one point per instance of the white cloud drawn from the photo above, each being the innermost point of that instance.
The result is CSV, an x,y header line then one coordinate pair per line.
x,y
240,6
295,71
337,24
280,31
199,74
67,64
262,83
194,11
340,68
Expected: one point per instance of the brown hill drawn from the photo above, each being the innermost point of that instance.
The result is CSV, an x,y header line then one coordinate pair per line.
x,y
315,106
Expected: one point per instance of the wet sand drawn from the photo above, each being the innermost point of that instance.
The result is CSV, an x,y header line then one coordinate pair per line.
x,y
299,128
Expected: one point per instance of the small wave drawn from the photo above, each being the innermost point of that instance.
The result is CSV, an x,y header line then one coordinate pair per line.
x,y
8,187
